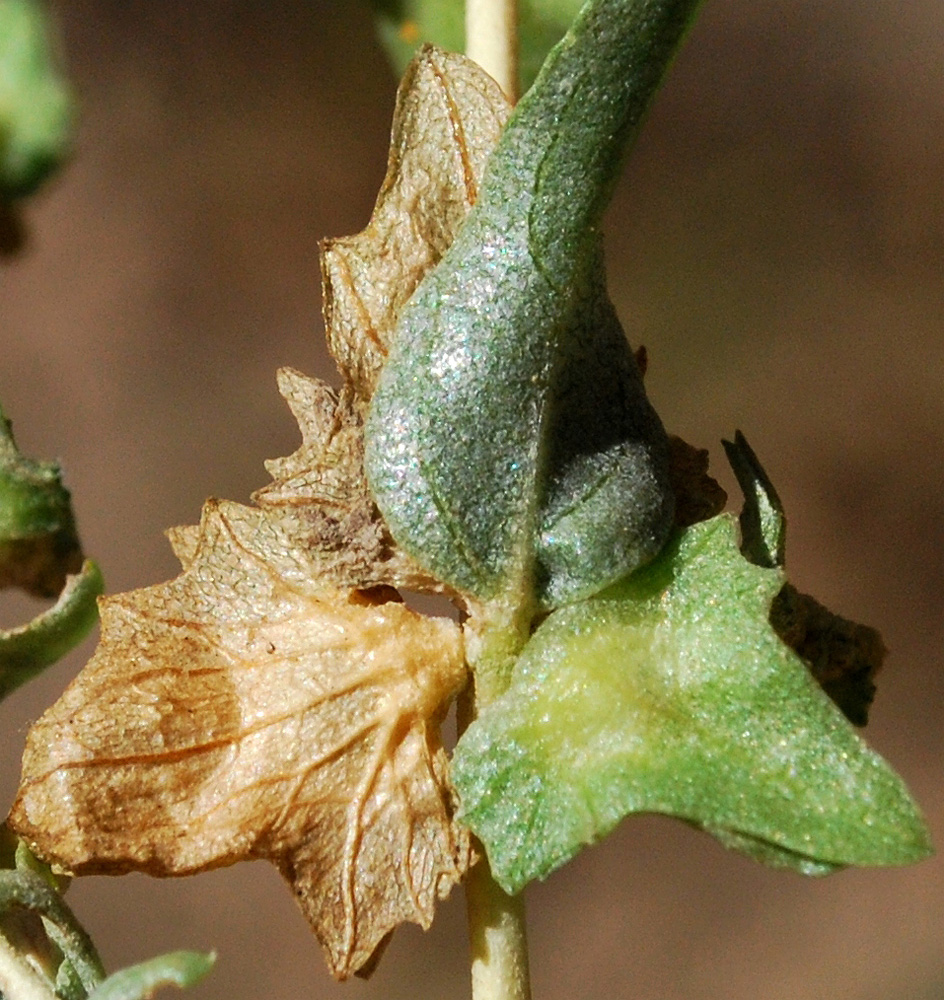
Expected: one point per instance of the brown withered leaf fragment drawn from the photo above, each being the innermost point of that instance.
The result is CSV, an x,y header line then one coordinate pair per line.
x,y
244,710
698,496
842,655
448,117
319,495
318,507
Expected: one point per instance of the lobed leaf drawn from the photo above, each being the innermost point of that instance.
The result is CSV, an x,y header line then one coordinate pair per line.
x,y
255,707
277,700
670,692
510,444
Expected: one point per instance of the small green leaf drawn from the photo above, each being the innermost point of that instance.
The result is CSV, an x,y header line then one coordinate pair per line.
x,y
40,552
671,693
510,444
38,541
35,105
177,968
27,650
404,25
763,522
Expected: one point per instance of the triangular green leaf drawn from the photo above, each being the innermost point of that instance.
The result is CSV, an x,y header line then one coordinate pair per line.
x,y
671,693
510,444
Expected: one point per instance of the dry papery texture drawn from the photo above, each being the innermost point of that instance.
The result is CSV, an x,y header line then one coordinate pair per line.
x,y
277,700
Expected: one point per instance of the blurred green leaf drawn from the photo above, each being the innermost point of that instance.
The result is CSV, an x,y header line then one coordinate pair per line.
x,y
510,444
177,968
671,693
404,25
35,105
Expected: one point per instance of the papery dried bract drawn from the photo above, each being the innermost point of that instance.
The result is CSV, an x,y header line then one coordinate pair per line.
x,y
242,712
272,701
448,117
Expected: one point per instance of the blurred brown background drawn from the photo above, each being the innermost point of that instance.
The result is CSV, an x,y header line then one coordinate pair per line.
x,y
778,245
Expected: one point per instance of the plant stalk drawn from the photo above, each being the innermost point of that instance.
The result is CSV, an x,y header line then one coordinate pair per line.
x,y
497,939
491,39
497,936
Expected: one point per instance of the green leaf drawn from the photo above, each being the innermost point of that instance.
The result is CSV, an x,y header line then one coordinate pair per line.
x,y
671,693
177,968
404,25
763,522
510,444
27,650
40,552
35,105
38,541
844,656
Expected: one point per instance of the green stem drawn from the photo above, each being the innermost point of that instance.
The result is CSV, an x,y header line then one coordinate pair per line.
x,y
29,891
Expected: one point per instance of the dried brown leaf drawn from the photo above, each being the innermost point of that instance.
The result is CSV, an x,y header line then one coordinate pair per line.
x,y
243,711
318,508
277,700
448,117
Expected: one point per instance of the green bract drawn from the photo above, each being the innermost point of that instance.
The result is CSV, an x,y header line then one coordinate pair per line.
x,y
61,959
671,693
510,444
35,106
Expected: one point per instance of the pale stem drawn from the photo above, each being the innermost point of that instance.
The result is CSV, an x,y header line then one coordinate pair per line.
x,y
18,981
497,939
491,39
497,934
